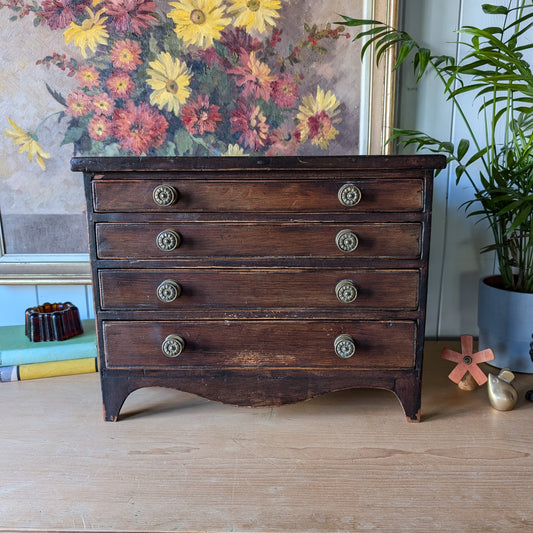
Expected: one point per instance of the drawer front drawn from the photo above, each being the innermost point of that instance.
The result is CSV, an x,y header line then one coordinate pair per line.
x,y
258,289
260,344
269,195
204,240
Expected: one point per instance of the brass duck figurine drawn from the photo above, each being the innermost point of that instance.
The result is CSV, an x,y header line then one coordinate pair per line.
x,y
502,395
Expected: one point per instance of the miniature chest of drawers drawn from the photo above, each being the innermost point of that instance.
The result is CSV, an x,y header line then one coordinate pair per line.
x,y
259,281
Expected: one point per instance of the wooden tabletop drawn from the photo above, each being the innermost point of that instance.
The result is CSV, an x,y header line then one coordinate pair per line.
x,y
347,461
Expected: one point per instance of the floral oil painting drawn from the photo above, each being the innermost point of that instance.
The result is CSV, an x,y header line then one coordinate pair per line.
x,y
157,78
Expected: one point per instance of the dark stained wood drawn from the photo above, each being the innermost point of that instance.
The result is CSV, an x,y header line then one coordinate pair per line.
x,y
264,387
256,344
200,240
258,164
241,289
257,268
275,195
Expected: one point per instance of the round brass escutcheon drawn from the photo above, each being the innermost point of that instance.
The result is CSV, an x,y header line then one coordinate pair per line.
x,y
346,240
346,291
349,195
168,240
344,346
165,195
173,345
168,291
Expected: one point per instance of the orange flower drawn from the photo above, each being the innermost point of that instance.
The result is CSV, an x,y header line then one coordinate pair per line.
x,y
99,128
255,77
251,123
139,128
199,117
78,104
126,55
102,104
120,84
87,76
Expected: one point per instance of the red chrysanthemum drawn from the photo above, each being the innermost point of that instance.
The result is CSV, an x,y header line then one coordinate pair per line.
x,y
209,56
102,104
319,125
87,76
78,104
238,40
126,55
199,117
251,123
131,15
100,128
254,77
138,129
58,14
283,141
285,92
120,84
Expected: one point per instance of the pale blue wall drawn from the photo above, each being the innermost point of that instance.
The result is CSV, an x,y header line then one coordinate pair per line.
x,y
15,299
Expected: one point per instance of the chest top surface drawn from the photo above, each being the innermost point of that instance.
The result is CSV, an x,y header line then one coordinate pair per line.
x,y
289,163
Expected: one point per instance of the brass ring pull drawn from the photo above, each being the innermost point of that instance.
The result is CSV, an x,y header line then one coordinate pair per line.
x,y
344,346
346,240
349,195
165,195
173,345
168,291
346,291
168,240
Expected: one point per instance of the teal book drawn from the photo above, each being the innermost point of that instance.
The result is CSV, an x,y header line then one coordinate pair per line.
x,y
17,349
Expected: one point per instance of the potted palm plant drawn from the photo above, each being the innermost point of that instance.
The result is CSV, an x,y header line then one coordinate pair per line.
x,y
495,76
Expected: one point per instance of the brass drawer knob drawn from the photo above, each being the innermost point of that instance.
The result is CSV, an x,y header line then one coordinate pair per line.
x,y
168,240
168,291
349,195
344,346
173,345
346,291
346,240
165,195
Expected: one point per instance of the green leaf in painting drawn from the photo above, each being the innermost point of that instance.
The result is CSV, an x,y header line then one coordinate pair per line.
x,y
167,149
72,135
112,150
56,96
183,141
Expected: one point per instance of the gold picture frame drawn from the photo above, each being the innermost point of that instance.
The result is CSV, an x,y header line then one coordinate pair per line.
x,y
376,113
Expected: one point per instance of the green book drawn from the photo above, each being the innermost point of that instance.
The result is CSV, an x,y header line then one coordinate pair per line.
x,y
17,349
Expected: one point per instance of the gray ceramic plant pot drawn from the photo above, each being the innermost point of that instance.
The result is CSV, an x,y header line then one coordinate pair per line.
x,y
505,321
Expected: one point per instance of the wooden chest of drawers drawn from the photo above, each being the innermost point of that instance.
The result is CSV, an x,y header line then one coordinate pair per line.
x,y
260,281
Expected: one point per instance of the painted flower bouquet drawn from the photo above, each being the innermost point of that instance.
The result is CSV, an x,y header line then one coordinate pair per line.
x,y
190,77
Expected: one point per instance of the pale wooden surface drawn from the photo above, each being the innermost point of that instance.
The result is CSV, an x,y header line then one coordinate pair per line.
x,y
347,461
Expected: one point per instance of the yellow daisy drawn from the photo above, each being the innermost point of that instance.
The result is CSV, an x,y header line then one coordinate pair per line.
x,y
169,79
90,33
199,22
255,14
27,142
233,150
317,116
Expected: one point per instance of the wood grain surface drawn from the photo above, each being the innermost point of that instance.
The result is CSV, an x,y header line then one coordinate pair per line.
x,y
345,461
289,239
286,195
